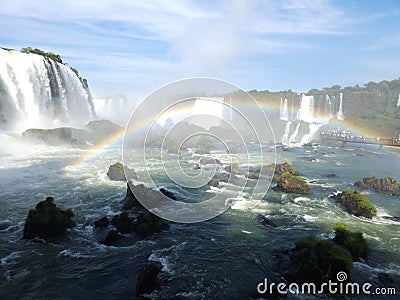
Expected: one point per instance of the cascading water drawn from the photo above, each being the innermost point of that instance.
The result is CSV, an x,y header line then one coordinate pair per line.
x,y
313,130
340,115
306,112
285,137
284,113
398,102
293,136
38,92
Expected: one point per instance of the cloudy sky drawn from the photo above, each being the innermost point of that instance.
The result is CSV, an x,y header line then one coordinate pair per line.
x,y
134,47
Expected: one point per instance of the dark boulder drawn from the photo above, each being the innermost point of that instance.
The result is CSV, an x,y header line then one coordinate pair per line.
x,y
233,169
111,238
119,172
102,222
266,221
123,223
147,278
147,224
330,175
152,198
47,220
168,193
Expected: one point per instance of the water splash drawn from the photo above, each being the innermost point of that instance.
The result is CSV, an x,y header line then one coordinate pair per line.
x,y
285,137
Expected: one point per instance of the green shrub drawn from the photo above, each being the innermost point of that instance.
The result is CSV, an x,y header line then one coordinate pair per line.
x,y
352,240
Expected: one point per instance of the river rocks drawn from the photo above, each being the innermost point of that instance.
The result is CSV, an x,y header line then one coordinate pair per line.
x,y
209,161
289,183
147,224
168,193
386,185
153,198
147,278
330,175
47,220
118,171
57,136
266,221
123,223
355,203
110,238
233,169
101,223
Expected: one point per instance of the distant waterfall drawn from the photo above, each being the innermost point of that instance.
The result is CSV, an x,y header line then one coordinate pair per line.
x,y
37,91
284,113
398,102
340,115
329,110
306,112
293,136
285,137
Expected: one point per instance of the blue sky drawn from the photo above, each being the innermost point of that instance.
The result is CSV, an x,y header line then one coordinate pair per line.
x,y
133,47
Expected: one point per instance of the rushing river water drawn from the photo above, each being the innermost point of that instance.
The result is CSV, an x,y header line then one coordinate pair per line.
x,y
222,258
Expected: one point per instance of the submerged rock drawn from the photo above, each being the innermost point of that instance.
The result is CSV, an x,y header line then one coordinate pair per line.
x,y
47,220
386,185
147,278
266,221
355,203
168,193
118,171
289,183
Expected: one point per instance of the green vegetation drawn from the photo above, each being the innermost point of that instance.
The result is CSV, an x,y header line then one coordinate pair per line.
x,y
51,55
320,260
352,240
356,203
253,175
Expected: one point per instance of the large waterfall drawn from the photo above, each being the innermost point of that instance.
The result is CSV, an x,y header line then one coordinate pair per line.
x,y
38,92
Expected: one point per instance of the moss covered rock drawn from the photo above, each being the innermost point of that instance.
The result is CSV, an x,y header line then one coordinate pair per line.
x,y
352,240
46,220
289,183
320,260
356,203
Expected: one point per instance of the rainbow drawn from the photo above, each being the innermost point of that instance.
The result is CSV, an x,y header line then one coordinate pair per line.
x,y
180,112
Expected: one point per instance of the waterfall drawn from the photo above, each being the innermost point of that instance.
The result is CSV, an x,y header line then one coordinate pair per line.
x,y
306,112
284,113
398,102
313,130
38,92
285,137
340,115
293,136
